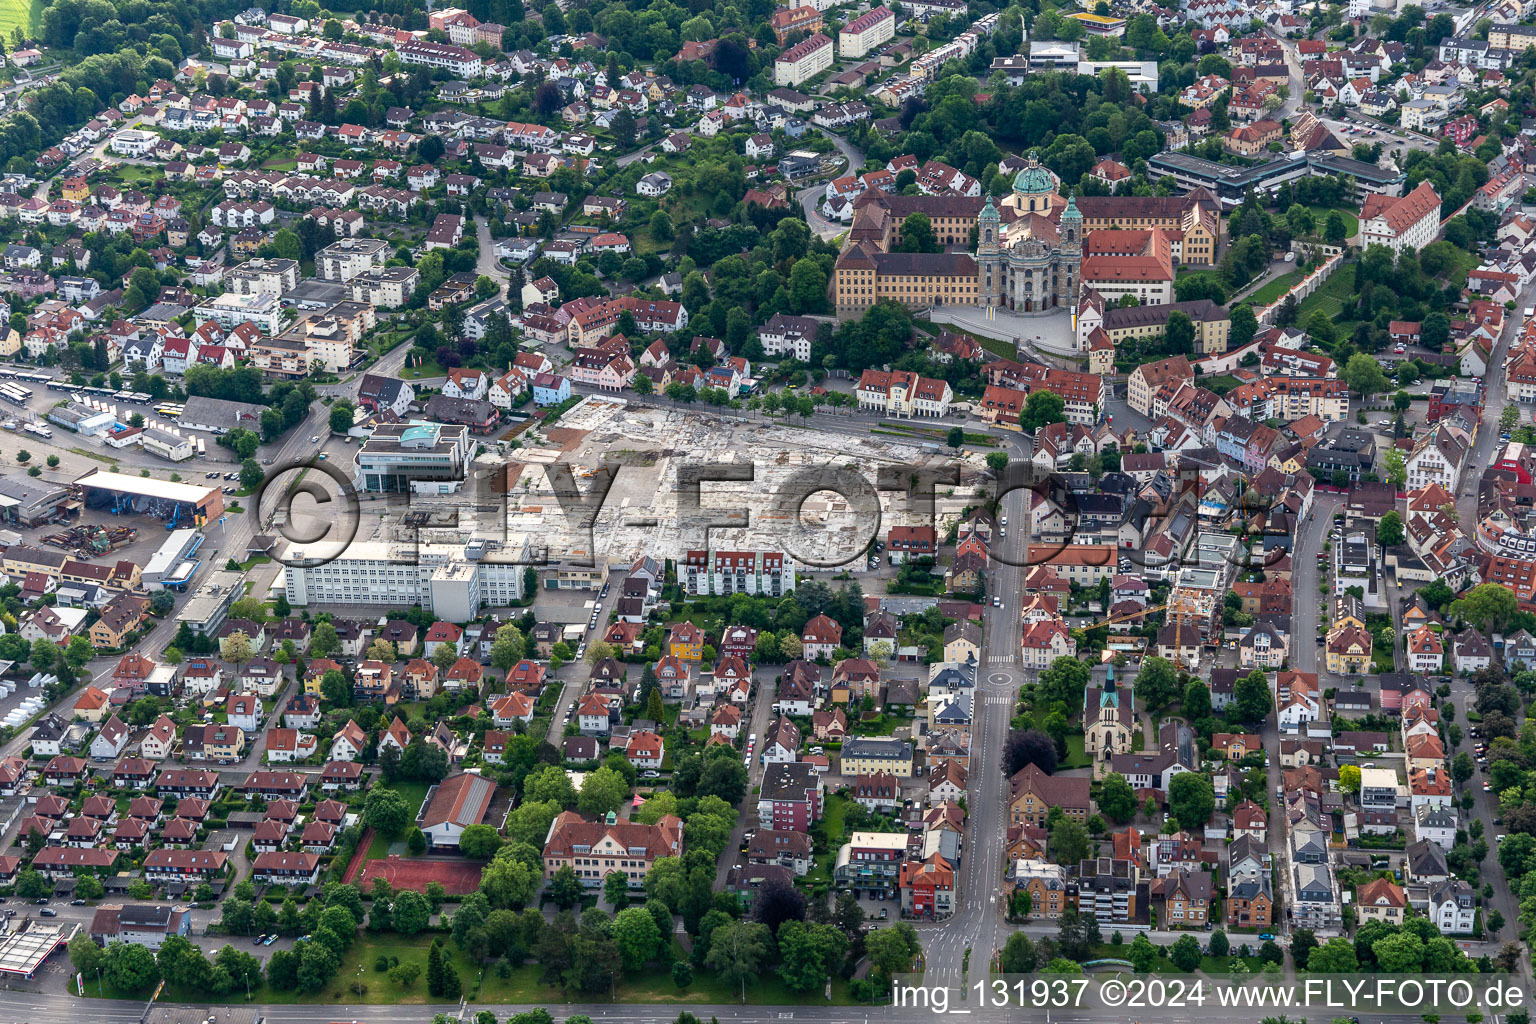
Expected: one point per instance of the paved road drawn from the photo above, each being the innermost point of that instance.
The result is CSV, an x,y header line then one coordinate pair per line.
x,y
1297,85
488,265
60,1009
977,923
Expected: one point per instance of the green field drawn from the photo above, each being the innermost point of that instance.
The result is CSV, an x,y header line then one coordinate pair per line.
x,y
1272,291
1351,219
25,14
1329,298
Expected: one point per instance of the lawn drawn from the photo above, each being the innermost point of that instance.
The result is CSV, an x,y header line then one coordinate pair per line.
x,y
1351,219
429,368
27,14
413,792
1272,291
1465,262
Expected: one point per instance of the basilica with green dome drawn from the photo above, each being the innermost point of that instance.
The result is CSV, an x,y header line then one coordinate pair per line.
x,y
1029,245
1027,253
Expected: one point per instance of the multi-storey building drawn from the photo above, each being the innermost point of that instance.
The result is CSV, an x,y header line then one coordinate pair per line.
x,y
737,572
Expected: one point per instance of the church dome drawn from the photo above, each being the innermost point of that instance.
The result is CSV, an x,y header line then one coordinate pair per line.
x,y
1034,179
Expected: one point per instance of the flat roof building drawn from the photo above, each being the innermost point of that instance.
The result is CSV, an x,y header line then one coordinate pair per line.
x,y
429,458
191,503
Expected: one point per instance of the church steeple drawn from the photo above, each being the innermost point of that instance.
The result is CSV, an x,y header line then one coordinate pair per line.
x,y
1071,223
988,227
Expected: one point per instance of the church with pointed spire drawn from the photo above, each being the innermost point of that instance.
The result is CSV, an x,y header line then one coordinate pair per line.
x,y
1109,722
1023,252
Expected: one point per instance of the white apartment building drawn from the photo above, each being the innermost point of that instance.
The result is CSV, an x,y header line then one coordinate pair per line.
x,y
803,61
384,287
344,260
461,62
274,277
232,309
871,29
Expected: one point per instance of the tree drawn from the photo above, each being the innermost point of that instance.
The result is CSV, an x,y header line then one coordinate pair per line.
x,y
565,888
997,461
1334,231
1186,953
1349,778
341,417
30,884
1156,683
1335,957
1395,466
409,913
84,955
1042,408
1402,953
602,791
1389,531
508,648
1019,955
386,812
917,234
1179,334
1363,375
1251,699
616,888
808,953
323,641
956,437
129,967
1244,325
1303,942
251,474
892,950
737,951
1142,954
1028,746
777,902
1191,800
1117,801
434,970
1068,842
479,842
1488,605
335,688
637,937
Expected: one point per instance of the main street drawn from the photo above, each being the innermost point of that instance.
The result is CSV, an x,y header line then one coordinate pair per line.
x,y
977,923
62,1009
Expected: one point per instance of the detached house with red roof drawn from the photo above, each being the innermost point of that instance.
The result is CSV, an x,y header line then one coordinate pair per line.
x,y
820,637
645,749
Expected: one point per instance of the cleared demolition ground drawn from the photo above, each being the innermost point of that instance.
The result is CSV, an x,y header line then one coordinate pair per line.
x,y
812,493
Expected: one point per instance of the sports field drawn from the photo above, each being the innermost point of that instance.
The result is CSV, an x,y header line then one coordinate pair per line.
x,y
457,876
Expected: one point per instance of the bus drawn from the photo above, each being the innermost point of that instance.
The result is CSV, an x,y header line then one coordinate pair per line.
x,y
15,393
170,409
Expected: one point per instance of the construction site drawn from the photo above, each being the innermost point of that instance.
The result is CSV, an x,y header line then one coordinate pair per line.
x,y
686,480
